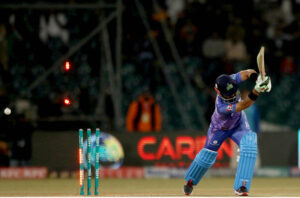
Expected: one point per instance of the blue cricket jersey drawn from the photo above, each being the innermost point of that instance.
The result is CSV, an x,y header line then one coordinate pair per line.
x,y
225,117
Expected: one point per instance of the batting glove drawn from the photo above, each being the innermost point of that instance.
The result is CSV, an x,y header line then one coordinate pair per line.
x,y
263,85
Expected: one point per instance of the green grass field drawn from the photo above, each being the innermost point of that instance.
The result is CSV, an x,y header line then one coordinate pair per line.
x,y
267,187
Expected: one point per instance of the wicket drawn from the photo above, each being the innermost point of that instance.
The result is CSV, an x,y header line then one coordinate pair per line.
x,y
89,166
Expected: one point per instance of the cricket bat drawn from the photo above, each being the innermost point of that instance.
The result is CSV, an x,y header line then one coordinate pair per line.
x,y
261,62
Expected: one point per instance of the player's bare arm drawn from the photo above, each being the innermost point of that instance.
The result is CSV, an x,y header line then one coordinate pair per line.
x,y
246,102
248,74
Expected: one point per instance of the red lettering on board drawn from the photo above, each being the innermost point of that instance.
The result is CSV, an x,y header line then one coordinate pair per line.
x,y
165,149
149,140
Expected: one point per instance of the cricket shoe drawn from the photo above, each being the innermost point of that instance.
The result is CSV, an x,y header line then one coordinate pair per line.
x,y
242,191
188,188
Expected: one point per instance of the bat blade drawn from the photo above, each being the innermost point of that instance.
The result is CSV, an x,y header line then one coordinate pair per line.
x,y
261,62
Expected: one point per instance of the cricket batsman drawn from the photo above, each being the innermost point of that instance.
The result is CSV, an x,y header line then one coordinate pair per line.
x,y
229,121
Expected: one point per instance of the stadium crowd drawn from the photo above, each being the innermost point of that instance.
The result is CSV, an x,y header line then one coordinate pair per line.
x,y
211,37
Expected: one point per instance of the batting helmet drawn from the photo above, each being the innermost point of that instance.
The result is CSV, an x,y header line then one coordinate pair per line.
x,y
226,88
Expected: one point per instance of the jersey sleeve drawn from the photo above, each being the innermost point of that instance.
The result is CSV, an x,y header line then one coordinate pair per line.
x,y
226,108
236,77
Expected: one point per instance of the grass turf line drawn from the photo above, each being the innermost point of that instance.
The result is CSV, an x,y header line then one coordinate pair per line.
x,y
266,187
